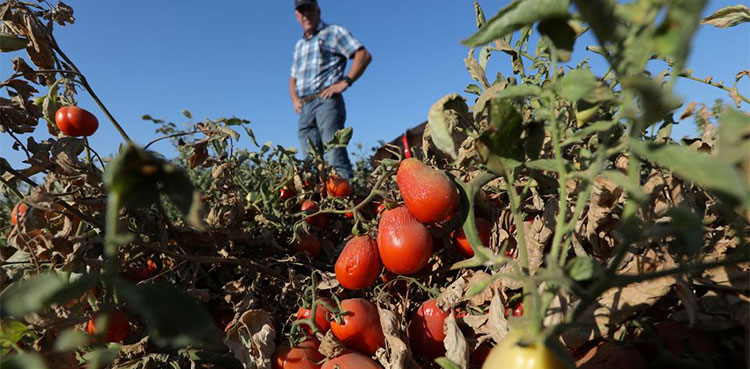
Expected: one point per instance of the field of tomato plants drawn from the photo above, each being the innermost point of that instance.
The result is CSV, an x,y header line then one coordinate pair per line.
x,y
547,220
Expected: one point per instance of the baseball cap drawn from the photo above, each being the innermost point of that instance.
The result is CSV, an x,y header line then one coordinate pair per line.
x,y
298,3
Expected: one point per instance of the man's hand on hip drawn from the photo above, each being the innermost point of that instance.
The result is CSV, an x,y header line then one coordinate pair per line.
x,y
335,88
297,103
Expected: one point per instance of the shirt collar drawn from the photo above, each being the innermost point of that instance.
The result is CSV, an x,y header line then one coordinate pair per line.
x,y
321,25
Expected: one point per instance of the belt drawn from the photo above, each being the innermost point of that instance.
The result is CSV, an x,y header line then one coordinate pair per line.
x,y
307,98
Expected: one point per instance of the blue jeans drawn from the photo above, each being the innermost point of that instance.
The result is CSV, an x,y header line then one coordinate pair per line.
x,y
318,121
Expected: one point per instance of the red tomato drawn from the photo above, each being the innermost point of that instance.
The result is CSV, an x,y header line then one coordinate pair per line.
x,y
322,316
462,243
308,243
318,221
380,208
18,213
117,327
144,273
303,356
405,244
358,264
351,360
338,187
74,121
518,309
361,328
287,193
428,193
426,333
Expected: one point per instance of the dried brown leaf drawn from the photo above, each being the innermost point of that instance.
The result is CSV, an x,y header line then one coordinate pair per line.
x,y
396,354
496,322
252,339
455,344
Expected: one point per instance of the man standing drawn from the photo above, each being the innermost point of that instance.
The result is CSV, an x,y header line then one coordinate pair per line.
x,y
318,80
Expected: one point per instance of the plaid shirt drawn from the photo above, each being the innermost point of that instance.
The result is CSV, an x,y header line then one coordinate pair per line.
x,y
320,60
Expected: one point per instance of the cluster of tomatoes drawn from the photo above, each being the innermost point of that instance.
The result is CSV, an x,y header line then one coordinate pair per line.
x,y
403,246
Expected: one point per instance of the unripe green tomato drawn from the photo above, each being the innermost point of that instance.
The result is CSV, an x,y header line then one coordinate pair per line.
x,y
509,354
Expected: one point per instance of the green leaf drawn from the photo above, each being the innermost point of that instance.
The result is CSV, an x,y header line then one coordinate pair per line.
x,y
583,268
30,360
512,92
596,127
549,165
501,145
734,140
563,36
687,229
473,89
10,42
99,357
576,84
633,189
39,292
442,118
655,100
446,363
138,177
340,139
70,340
11,331
187,113
174,318
674,35
515,16
729,16
600,14
705,170
487,95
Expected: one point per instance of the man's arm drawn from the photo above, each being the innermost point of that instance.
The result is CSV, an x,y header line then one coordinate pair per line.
x,y
293,93
360,61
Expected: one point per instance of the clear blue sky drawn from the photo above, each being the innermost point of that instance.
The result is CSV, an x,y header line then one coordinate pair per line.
x,y
232,59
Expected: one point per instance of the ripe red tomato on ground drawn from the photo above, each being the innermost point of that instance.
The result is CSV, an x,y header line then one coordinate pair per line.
x,y
141,274
75,121
317,221
308,243
322,316
358,265
18,212
426,333
116,325
360,329
304,356
287,193
338,187
479,355
428,193
462,243
351,360
405,244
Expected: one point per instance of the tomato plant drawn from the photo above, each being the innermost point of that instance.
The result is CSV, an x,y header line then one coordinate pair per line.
x,y
360,328
112,325
318,221
405,244
322,316
358,265
74,121
426,333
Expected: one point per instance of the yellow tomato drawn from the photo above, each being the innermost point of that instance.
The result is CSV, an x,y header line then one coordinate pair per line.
x,y
513,354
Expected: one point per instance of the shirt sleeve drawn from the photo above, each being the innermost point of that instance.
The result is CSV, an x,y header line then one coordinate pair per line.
x,y
345,43
295,61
